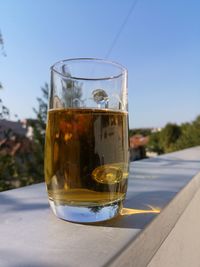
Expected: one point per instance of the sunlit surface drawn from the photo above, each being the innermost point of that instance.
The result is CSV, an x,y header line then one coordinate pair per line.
x,y
126,211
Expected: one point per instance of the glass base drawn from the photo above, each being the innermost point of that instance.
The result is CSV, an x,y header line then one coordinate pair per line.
x,y
86,214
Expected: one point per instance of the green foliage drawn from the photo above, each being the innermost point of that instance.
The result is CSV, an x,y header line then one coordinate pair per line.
x,y
7,171
27,165
14,167
168,137
39,127
154,143
4,111
173,137
190,135
142,131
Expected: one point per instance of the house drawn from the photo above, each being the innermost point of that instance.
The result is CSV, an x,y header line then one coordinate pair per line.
x,y
16,127
137,146
14,138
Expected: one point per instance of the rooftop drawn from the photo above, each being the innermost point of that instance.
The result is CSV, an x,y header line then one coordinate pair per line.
x,y
138,140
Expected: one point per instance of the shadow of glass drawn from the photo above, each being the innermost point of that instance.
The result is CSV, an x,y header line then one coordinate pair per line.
x,y
132,218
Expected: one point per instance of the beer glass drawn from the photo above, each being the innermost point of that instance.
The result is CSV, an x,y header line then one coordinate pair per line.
x,y
86,146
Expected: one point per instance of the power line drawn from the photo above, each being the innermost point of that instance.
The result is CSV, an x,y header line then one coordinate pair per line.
x,y
121,28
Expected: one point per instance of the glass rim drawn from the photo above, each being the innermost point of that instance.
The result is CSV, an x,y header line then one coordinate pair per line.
x,y
110,62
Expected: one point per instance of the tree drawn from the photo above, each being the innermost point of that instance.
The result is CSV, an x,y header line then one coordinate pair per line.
x,y
174,137
168,136
22,159
15,158
36,166
6,161
154,143
4,111
142,131
190,135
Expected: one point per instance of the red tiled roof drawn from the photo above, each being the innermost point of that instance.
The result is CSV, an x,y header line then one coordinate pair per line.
x,y
138,140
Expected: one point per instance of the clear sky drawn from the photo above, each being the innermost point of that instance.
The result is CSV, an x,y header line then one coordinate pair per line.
x,y
160,46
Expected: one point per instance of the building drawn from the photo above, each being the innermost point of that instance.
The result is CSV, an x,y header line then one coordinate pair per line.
x,y
16,127
15,138
137,147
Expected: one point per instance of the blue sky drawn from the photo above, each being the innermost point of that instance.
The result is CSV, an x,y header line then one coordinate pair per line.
x,y
160,46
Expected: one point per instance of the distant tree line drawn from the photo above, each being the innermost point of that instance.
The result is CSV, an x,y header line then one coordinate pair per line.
x,y
140,131
174,137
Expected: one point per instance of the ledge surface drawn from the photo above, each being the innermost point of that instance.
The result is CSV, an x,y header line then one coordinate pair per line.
x,y
32,236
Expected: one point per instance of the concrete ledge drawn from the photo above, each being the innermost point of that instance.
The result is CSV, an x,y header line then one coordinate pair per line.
x,y
141,250
32,236
181,247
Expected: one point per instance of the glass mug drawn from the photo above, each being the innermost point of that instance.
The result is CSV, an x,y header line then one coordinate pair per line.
x,y
86,146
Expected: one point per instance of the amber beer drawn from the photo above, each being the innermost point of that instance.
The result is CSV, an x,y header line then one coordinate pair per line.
x,y
86,145
86,156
